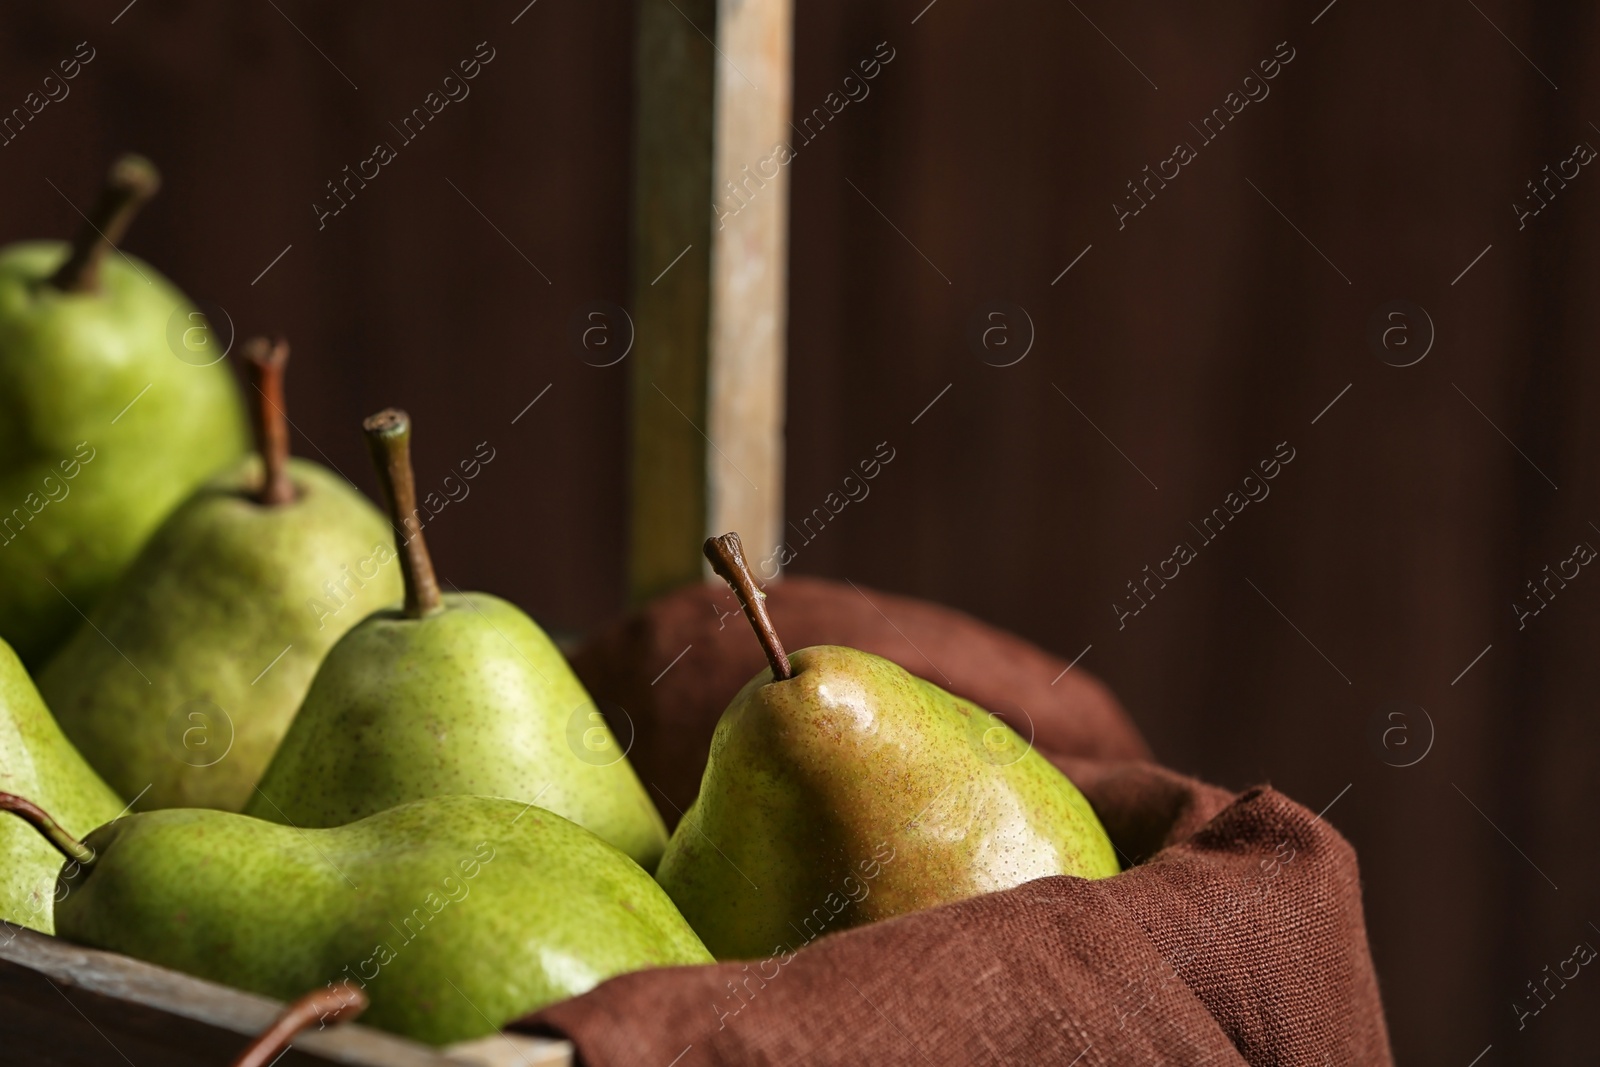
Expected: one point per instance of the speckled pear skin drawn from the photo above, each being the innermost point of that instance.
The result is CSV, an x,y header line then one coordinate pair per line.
x,y
509,904
471,699
855,791
223,587
38,762
70,363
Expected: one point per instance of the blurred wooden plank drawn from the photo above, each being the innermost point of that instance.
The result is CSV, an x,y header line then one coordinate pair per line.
x,y
671,301
749,270
512,1050
68,1006
711,208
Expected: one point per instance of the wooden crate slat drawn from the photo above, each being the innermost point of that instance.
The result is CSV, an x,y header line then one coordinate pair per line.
x,y
69,1006
710,249
749,272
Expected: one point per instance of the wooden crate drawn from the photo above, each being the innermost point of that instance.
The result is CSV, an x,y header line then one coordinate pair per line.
x,y
67,1006
707,411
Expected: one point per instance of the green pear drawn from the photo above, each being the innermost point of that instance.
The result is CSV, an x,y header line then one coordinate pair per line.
x,y
454,915
112,410
450,694
841,790
184,679
37,760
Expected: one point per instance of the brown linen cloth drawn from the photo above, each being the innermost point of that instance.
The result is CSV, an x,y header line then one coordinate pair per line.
x,y
1234,936
670,706
1240,941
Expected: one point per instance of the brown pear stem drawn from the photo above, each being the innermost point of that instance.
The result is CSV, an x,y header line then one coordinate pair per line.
x,y
130,185
389,438
267,360
727,559
74,850
339,1002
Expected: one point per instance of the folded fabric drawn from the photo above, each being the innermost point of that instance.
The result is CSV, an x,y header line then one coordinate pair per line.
x,y
1239,940
1234,934
664,674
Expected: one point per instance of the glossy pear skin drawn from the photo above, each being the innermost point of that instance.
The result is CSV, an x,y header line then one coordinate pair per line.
x,y
70,364
38,762
855,791
471,699
513,906
170,687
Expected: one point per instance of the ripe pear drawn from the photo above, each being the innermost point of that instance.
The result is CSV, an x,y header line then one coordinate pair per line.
x,y
450,694
454,915
38,760
842,790
112,410
184,679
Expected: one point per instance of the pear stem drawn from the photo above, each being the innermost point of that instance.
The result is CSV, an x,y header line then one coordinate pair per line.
x,y
335,1002
389,439
133,180
267,360
74,850
726,554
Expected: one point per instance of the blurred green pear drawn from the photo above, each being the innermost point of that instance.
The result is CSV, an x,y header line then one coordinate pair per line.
x,y
113,408
185,678
37,760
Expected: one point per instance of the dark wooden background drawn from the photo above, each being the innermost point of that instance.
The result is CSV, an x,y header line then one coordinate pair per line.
x,y
1219,322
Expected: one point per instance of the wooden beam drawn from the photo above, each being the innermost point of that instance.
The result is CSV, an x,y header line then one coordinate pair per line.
x,y
749,271
711,206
